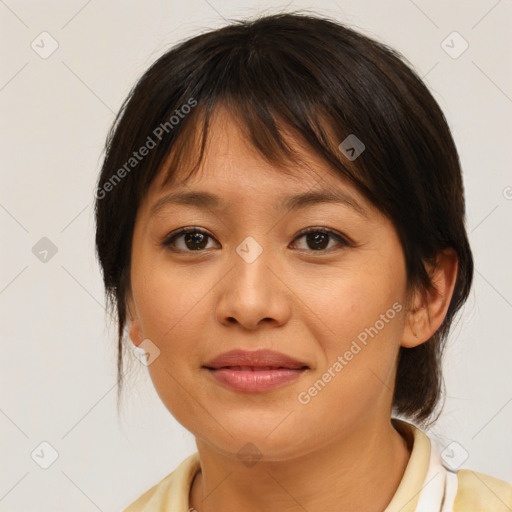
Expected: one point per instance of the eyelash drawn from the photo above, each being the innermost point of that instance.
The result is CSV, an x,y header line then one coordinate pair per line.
x,y
342,240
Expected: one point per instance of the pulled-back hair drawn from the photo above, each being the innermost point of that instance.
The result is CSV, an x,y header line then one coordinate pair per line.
x,y
316,78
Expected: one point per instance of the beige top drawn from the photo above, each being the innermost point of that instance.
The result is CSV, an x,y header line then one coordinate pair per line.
x,y
426,485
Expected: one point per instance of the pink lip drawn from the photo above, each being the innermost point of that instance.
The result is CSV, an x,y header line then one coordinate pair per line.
x,y
254,371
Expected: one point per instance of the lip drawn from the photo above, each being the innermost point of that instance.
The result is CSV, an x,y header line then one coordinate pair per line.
x,y
255,371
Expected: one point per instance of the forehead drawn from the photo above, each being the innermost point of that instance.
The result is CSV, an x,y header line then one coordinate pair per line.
x,y
234,175
231,159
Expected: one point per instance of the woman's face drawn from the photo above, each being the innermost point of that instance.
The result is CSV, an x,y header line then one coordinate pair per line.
x,y
248,279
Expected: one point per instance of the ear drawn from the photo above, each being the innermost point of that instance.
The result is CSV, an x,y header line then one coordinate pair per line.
x,y
428,308
134,329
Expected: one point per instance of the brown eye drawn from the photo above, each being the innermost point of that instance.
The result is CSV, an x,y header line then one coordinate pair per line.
x,y
188,240
318,239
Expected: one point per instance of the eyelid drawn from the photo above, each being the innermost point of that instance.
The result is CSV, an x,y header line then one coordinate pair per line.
x,y
182,231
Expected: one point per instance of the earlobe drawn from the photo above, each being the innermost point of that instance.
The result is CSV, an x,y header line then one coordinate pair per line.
x,y
414,329
429,307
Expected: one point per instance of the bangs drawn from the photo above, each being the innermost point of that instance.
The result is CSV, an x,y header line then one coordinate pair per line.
x,y
283,139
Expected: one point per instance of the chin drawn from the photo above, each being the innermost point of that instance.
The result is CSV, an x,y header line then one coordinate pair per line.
x,y
253,438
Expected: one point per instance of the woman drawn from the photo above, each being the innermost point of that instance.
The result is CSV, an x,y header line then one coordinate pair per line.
x,y
280,224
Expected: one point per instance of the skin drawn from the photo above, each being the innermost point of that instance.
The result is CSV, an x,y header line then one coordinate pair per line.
x,y
339,451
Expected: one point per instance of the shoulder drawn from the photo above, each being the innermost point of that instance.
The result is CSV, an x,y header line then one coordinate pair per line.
x,y
478,492
172,492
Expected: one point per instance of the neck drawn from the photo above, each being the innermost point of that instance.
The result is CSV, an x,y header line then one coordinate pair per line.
x,y
360,471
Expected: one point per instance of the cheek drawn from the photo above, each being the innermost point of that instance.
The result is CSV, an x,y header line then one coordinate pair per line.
x,y
172,313
170,302
360,303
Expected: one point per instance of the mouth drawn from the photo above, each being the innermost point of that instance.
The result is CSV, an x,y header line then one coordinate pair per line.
x,y
255,371
255,368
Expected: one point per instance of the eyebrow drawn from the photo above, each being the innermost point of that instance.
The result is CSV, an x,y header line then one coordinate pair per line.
x,y
207,200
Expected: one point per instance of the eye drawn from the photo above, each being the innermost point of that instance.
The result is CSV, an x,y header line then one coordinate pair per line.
x,y
317,239
193,239
189,239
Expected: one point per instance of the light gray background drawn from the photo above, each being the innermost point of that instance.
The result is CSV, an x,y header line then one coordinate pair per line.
x,y
58,354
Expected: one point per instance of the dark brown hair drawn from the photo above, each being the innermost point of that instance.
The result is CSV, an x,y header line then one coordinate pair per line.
x,y
314,77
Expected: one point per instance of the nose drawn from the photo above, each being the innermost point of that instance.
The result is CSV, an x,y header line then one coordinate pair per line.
x,y
253,293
